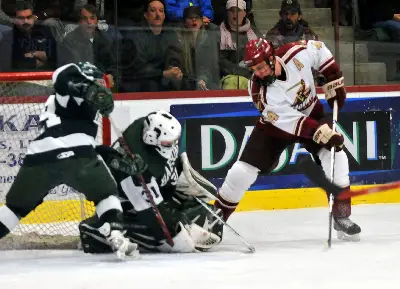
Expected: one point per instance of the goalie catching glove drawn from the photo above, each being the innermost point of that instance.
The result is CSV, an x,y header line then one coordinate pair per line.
x,y
192,184
85,81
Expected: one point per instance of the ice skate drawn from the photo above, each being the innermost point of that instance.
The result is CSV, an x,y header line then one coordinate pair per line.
x,y
346,229
122,246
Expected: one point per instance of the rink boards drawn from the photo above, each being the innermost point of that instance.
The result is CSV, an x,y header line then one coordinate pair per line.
x,y
71,210
284,190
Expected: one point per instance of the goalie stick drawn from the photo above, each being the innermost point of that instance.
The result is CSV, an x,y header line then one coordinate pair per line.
x,y
157,213
248,245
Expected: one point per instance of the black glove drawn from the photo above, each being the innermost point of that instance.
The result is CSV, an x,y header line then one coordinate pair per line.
x,y
128,165
94,94
101,98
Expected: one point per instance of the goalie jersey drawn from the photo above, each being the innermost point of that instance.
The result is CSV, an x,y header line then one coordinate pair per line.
x,y
161,176
292,105
68,126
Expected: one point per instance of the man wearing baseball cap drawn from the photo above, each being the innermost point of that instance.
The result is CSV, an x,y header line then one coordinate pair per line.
x,y
236,31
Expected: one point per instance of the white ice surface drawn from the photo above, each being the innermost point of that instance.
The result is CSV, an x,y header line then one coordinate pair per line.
x,y
289,255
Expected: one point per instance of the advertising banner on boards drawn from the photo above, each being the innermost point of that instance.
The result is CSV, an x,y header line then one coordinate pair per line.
x,y
216,134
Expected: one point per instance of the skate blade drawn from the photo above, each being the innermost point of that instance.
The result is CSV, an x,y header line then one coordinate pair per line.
x,y
345,237
122,256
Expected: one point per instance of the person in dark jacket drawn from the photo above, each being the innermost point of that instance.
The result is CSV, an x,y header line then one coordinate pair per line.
x,y
33,46
291,27
89,44
150,56
200,52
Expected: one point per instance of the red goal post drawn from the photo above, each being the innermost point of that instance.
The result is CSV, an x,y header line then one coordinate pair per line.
x,y
54,224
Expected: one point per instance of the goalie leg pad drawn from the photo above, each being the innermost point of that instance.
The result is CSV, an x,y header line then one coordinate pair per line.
x,y
8,220
183,243
92,241
204,240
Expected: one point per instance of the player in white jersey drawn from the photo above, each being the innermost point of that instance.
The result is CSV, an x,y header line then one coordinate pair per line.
x,y
282,88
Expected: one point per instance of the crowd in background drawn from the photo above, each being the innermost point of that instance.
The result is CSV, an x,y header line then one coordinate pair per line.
x,y
158,45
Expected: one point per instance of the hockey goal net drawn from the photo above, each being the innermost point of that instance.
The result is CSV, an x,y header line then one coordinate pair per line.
x,y
54,223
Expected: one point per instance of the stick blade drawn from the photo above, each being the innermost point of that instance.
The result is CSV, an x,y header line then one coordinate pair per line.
x,y
372,190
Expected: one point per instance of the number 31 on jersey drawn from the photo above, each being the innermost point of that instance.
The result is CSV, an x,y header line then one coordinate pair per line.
x,y
137,196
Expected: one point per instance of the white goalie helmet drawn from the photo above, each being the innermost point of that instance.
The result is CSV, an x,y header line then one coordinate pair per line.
x,y
162,131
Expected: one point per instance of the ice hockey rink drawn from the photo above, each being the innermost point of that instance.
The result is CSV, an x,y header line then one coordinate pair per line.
x,y
289,255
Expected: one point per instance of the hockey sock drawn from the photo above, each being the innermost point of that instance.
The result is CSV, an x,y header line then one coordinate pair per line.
x,y
239,179
109,210
226,207
342,208
8,221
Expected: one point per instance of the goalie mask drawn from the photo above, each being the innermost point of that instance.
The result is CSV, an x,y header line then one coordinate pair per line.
x,y
162,131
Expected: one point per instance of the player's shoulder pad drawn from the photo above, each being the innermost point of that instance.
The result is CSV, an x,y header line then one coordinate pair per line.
x,y
289,50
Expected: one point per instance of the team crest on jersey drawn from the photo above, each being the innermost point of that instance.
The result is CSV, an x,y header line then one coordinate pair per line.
x,y
271,116
317,44
302,100
298,64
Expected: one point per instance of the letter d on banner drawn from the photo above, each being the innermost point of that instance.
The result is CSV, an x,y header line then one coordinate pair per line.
x,y
207,156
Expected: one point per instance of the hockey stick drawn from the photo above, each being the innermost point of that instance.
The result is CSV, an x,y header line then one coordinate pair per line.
x,y
248,245
157,213
316,175
372,190
331,196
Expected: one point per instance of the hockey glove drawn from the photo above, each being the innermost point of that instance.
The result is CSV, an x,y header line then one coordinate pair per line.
x,y
101,98
334,89
128,165
328,138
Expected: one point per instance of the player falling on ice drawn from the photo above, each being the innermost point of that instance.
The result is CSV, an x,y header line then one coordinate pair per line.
x,y
64,153
282,89
154,142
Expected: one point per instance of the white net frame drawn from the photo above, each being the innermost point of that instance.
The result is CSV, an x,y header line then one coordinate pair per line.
x,y
54,223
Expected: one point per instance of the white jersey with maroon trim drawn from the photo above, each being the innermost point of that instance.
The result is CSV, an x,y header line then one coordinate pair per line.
x,y
288,104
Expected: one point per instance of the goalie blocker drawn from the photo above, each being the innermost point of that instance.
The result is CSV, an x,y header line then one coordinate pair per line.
x,y
173,183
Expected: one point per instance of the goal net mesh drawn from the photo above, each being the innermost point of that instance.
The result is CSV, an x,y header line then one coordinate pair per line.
x,y
54,223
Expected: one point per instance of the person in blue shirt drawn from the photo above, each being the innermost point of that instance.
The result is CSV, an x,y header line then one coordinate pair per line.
x,y
174,9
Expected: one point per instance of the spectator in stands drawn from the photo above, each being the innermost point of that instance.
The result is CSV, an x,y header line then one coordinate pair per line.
x,y
232,51
386,15
49,13
5,47
88,43
33,46
174,9
291,27
220,12
200,52
150,57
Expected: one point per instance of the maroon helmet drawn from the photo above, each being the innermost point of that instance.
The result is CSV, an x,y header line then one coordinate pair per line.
x,y
256,51
259,50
